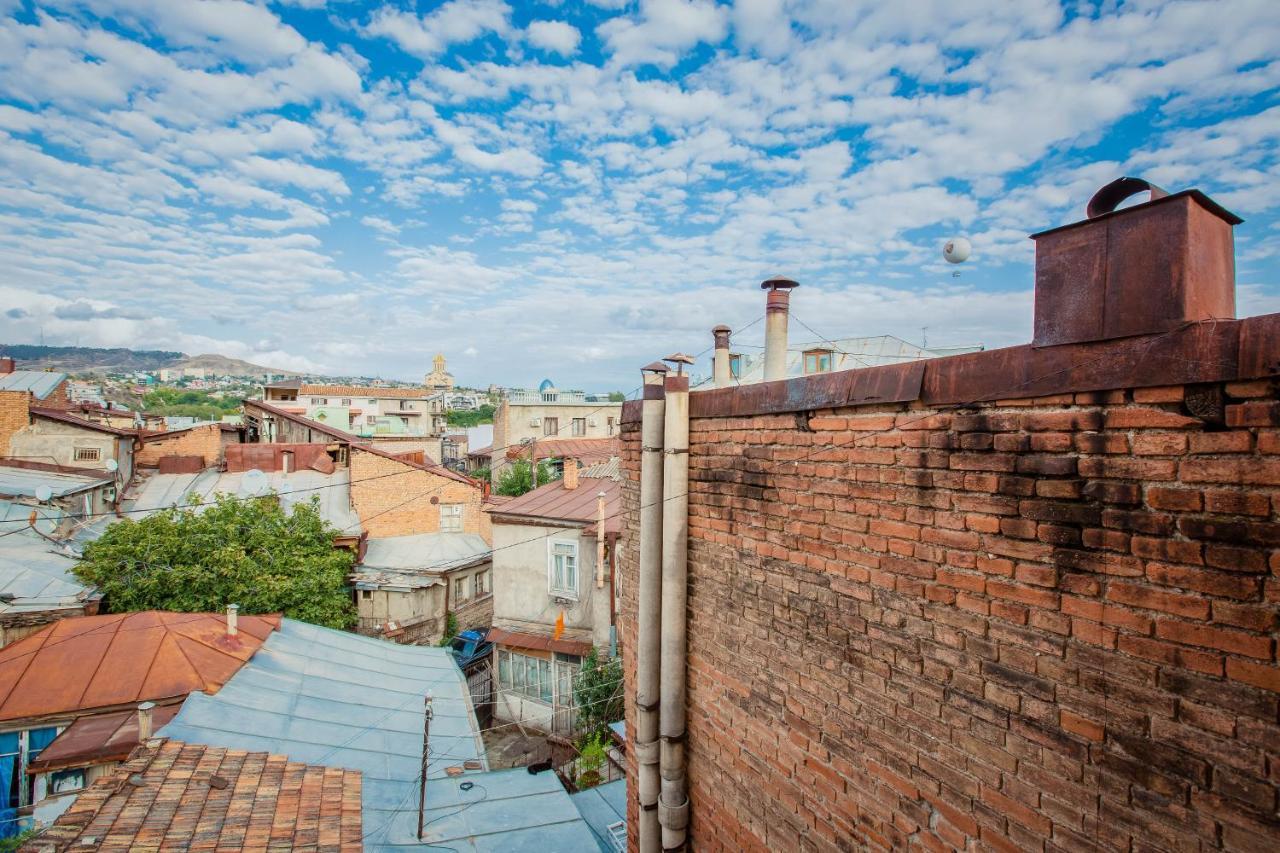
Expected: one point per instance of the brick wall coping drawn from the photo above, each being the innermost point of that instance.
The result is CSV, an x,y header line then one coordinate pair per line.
x,y
1209,351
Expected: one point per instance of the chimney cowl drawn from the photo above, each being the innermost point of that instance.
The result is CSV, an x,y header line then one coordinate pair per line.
x,y
778,283
1144,269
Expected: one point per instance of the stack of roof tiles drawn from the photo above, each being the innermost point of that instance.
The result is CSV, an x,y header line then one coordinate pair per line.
x,y
172,795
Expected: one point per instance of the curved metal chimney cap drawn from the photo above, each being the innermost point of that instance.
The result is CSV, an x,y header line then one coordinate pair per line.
x,y
656,367
679,358
721,328
778,283
1107,199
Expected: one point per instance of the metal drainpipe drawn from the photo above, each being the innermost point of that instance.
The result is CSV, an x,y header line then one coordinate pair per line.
x,y
673,803
720,366
775,326
649,595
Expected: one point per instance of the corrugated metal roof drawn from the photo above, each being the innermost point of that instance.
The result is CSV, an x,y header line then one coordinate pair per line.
x,y
162,491
23,482
328,697
91,662
554,502
610,469
68,418
425,551
165,798
38,576
601,807
41,383
95,738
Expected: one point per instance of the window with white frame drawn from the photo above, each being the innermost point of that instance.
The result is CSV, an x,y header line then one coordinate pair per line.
x,y
562,568
481,583
450,518
459,589
579,426
346,402
526,675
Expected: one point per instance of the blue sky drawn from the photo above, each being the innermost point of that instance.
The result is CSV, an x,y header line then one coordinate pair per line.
x,y
572,189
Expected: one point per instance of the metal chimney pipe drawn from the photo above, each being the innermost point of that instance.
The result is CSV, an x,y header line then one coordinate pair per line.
x,y
648,606
673,803
600,496
775,326
233,612
720,367
144,721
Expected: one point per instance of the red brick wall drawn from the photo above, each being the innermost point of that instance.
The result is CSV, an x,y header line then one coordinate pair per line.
x,y
1040,624
14,415
202,441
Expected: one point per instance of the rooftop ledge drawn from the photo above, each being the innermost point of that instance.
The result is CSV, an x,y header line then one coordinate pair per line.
x,y
1204,351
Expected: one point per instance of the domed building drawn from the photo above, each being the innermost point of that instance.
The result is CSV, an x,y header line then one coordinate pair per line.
x,y
438,379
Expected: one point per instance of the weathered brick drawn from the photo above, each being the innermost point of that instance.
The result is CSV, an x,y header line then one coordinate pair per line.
x,y
1234,642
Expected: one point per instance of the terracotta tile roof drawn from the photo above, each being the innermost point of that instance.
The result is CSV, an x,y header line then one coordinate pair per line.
x,y
523,640
66,417
97,738
367,392
556,503
178,796
88,662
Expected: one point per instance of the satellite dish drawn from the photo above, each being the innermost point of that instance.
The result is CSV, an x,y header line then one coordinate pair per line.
x,y
112,466
254,484
43,493
956,250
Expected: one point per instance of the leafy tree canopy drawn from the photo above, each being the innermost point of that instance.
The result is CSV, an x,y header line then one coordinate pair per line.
x,y
598,694
251,553
470,417
515,479
617,397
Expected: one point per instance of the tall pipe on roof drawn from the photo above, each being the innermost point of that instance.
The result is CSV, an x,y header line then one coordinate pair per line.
x,y
720,366
144,721
233,613
648,606
775,326
673,803
600,496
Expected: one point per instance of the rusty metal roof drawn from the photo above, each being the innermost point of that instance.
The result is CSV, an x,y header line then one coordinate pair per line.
x,y
584,449
79,664
68,418
172,795
553,502
525,640
98,738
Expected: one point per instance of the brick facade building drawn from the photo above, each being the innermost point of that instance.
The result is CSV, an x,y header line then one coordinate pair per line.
x,y
382,488
1023,599
207,442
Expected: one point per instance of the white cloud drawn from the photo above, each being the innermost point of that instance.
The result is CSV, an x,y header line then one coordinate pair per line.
x,y
455,22
555,36
663,28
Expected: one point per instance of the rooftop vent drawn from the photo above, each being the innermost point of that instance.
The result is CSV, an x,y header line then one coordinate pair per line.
x,y
1142,270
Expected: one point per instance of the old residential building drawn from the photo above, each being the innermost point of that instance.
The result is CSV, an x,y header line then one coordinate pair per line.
x,y
553,598
56,437
1019,599
406,585
534,416
365,411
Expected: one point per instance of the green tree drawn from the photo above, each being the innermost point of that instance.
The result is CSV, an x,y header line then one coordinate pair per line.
x,y
470,417
251,553
617,397
598,693
482,474
450,628
515,479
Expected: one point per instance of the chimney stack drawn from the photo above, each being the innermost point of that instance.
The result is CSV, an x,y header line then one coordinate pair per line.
x,y
775,326
7,365
570,479
720,367
1142,270
144,721
233,611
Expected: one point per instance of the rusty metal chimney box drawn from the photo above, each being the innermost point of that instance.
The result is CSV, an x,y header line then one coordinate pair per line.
x,y
1141,270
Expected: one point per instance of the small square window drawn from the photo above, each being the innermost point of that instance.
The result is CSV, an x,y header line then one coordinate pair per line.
x,y
366,594
450,518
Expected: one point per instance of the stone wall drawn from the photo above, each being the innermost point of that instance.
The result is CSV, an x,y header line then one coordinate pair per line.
x,y
1036,623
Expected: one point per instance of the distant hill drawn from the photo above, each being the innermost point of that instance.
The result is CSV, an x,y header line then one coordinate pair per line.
x,y
121,360
224,366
